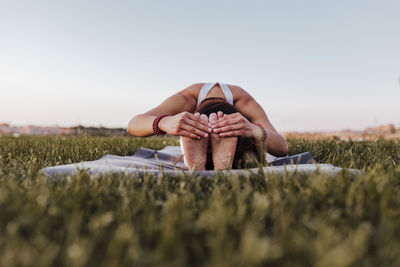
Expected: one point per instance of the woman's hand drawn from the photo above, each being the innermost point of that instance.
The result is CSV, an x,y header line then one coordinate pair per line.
x,y
235,125
185,124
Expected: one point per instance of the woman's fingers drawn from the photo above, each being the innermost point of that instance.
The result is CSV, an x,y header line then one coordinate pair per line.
x,y
229,116
196,117
198,125
195,127
228,128
230,125
226,121
233,133
199,119
189,134
194,130
188,124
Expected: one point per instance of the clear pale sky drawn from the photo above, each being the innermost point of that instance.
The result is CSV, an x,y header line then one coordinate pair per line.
x,y
312,65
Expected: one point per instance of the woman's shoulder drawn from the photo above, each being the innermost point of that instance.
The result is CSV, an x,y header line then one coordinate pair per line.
x,y
191,92
239,93
192,88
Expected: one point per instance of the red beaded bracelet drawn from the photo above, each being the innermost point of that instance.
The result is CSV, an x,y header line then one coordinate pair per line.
x,y
253,140
156,129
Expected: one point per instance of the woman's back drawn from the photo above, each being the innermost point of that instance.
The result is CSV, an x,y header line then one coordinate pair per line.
x,y
232,93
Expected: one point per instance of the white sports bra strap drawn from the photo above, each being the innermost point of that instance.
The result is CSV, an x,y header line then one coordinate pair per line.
x,y
207,87
227,93
203,92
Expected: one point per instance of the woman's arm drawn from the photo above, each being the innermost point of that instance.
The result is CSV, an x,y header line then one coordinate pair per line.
x,y
237,125
275,143
180,120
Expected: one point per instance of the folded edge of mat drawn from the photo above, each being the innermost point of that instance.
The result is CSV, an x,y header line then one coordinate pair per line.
x,y
169,160
283,169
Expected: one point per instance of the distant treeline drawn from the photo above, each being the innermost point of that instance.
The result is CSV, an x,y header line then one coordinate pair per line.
x,y
98,131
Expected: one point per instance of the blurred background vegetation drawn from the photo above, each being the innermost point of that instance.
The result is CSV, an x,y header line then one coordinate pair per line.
x,y
228,220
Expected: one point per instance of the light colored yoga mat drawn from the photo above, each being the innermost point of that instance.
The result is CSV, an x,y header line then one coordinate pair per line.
x,y
168,160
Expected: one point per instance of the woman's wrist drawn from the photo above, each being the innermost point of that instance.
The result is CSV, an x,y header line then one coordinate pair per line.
x,y
157,128
162,123
259,133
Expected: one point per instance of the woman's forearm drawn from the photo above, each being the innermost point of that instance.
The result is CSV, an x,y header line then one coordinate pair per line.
x,y
181,124
141,125
276,144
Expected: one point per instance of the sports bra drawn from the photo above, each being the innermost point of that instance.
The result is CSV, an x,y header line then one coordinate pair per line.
x,y
207,87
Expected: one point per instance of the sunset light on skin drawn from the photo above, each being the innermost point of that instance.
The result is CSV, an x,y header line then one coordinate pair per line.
x,y
312,65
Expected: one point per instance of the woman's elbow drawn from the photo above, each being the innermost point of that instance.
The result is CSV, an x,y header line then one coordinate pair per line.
x,y
131,129
282,148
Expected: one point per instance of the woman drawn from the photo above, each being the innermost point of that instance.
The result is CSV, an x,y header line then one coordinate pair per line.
x,y
220,126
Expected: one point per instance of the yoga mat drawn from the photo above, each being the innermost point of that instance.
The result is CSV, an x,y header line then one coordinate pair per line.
x,y
169,160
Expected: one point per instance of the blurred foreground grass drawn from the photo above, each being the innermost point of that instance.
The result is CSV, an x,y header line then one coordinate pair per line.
x,y
274,220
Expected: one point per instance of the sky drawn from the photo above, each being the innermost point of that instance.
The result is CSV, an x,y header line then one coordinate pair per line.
x,y
312,65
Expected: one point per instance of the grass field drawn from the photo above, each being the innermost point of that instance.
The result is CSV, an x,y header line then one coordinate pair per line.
x,y
262,220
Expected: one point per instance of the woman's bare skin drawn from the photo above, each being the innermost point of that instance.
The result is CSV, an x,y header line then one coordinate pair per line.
x,y
182,122
196,149
222,148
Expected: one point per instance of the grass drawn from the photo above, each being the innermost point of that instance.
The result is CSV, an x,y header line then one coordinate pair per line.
x,y
271,220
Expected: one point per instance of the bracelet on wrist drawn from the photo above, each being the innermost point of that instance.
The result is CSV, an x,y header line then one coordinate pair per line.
x,y
156,129
264,137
